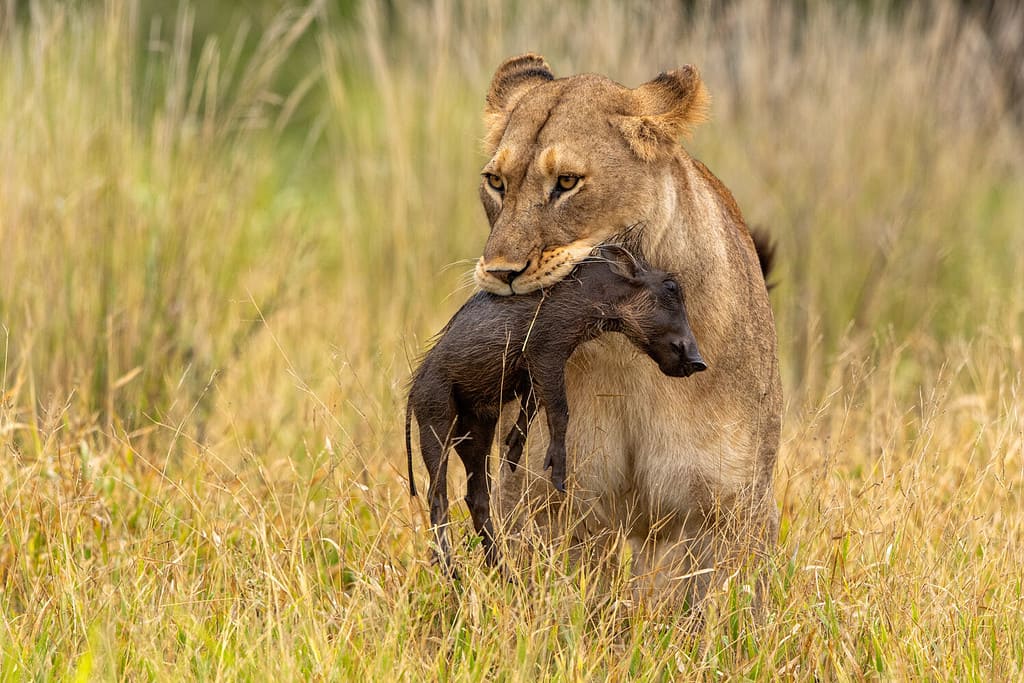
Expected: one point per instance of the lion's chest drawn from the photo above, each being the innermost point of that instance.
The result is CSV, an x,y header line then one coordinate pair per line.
x,y
644,442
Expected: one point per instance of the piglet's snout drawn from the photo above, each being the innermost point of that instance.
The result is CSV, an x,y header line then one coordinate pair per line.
x,y
691,359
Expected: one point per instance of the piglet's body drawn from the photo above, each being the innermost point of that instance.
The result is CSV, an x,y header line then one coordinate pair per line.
x,y
496,349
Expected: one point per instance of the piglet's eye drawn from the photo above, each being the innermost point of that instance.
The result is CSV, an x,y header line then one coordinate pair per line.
x,y
671,287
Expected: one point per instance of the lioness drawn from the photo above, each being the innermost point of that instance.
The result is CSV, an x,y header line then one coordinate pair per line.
x,y
682,468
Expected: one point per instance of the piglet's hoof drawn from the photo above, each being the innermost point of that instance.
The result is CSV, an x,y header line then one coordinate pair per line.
x,y
557,474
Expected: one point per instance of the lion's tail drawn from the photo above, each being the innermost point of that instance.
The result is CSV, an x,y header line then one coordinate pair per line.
x,y
764,245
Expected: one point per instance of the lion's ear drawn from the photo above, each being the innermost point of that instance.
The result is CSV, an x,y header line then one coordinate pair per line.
x,y
511,81
670,106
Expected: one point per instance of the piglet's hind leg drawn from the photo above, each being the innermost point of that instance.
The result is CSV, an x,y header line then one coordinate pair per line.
x,y
434,447
474,449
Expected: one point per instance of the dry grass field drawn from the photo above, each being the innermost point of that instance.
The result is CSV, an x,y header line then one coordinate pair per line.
x,y
222,250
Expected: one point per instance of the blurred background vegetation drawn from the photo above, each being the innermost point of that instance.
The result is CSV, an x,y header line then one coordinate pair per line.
x,y
227,228
172,165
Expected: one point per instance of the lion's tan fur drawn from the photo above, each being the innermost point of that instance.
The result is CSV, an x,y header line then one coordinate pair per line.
x,y
664,461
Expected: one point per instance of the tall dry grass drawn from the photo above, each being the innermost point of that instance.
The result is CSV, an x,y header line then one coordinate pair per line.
x,y
209,304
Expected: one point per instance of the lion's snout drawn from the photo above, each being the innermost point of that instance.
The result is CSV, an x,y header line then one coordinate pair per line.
x,y
496,279
504,272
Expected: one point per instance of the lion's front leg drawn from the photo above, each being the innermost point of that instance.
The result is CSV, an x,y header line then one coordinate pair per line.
x,y
687,562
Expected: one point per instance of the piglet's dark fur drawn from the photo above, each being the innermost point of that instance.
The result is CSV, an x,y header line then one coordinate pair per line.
x,y
496,349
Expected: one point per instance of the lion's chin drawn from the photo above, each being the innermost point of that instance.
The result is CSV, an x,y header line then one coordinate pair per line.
x,y
526,283
492,287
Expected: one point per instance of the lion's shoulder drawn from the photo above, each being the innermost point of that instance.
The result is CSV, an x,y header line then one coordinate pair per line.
x,y
758,239
724,196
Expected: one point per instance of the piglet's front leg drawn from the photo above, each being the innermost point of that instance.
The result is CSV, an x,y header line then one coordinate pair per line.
x,y
557,407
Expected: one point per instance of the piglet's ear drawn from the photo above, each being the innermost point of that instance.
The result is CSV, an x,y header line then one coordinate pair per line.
x,y
620,260
670,106
513,79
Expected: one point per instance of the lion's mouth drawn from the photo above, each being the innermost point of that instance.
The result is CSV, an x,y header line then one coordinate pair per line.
x,y
548,267
523,282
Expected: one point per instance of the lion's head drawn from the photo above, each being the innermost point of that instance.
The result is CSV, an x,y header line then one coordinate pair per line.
x,y
573,163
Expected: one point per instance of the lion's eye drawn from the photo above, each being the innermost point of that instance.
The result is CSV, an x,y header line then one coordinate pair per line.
x,y
671,287
496,183
567,182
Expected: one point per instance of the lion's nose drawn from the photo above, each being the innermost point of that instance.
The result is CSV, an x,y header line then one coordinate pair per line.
x,y
507,275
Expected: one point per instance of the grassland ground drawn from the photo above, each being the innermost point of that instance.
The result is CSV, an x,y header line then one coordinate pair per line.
x,y
222,248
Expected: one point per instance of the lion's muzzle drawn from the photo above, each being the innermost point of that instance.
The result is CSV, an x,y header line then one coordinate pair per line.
x,y
542,268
